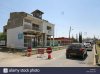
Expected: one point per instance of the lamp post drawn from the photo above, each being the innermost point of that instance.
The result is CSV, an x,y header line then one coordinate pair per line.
x,y
69,34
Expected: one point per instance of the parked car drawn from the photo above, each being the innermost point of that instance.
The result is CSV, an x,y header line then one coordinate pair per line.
x,y
88,46
76,49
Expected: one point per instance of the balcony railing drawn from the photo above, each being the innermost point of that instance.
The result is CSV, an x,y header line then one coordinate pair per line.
x,y
29,27
49,32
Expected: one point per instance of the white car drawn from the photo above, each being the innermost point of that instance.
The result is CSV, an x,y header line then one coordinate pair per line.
x,y
88,46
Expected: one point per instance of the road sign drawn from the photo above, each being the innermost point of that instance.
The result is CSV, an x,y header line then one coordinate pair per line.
x,y
40,51
49,50
20,36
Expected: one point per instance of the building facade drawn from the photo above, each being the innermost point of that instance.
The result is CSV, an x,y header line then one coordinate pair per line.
x,y
25,30
61,41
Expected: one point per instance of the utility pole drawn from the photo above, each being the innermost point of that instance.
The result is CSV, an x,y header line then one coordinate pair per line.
x,y
76,37
69,34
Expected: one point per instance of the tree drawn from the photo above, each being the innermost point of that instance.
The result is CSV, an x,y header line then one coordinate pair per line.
x,y
2,36
74,40
80,37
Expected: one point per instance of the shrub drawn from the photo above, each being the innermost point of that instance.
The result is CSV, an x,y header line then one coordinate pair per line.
x,y
98,43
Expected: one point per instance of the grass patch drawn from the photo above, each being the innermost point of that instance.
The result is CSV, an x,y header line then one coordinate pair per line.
x,y
98,49
98,52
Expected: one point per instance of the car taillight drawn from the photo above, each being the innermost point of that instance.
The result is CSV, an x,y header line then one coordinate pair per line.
x,y
81,49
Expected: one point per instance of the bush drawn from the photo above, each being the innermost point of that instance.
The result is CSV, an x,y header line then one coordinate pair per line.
x,y
98,43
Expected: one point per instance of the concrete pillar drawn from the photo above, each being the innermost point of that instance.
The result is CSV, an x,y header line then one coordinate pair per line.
x,y
38,40
53,40
50,40
34,42
45,40
42,40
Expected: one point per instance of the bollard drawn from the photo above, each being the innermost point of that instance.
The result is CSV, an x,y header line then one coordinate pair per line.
x,y
49,56
29,51
49,51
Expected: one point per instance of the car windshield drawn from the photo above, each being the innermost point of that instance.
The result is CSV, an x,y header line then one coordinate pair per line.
x,y
86,43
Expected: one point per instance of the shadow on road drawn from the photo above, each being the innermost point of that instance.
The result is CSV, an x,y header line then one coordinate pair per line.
x,y
77,58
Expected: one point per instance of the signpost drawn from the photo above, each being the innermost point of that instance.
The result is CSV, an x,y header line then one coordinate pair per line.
x,y
20,36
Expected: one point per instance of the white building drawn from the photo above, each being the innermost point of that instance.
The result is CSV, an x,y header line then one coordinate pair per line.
x,y
25,30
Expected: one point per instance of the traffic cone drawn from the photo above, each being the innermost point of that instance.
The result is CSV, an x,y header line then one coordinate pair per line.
x,y
29,54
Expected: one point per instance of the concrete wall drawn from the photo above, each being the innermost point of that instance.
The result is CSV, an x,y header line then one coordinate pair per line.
x,y
45,24
12,37
34,20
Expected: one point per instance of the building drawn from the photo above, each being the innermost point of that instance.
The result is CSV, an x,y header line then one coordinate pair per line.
x,y
61,41
25,30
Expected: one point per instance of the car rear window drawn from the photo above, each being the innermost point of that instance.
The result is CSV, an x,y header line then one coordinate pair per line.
x,y
75,46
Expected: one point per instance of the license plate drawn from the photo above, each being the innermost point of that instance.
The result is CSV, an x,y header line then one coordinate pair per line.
x,y
73,53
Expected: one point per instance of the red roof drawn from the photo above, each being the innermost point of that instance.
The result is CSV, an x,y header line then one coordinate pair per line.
x,y
60,38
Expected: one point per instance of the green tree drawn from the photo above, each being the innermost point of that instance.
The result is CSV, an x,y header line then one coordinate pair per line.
x,y
80,37
74,40
2,36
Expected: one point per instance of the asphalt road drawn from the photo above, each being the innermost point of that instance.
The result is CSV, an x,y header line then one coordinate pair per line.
x,y
61,61
58,60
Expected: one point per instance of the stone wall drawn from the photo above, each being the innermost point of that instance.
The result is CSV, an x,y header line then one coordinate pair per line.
x,y
15,20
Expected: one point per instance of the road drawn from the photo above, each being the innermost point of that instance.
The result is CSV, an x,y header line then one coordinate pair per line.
x,y
58,60
61,61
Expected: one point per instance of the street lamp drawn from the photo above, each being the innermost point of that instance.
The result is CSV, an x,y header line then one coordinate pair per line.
x,y
69,34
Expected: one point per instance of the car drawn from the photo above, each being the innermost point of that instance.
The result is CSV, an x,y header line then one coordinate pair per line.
x,y
88,46
76,49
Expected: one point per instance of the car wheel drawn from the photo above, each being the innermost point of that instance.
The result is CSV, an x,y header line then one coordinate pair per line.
x,y
86,53
83,56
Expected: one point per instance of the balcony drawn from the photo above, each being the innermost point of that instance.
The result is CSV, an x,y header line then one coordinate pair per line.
x,y
31,28
49,32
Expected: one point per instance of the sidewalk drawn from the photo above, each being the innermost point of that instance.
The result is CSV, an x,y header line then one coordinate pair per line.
x,y
32,61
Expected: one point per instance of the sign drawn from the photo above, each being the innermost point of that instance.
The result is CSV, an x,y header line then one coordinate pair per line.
x,y
20,36
49,50
40,51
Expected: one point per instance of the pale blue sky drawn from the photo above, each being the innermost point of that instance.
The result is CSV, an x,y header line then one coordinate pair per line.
x,y
81,15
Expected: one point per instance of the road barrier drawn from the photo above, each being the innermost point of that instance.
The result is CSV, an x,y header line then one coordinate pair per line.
x,y
49,51
29,51
40,51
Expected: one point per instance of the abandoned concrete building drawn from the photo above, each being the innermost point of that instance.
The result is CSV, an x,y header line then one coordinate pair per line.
x,y
25,30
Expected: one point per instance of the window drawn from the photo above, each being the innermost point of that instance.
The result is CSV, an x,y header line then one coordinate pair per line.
x,y
48,28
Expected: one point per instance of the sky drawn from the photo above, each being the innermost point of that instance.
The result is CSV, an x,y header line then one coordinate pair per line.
x,y
82,15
